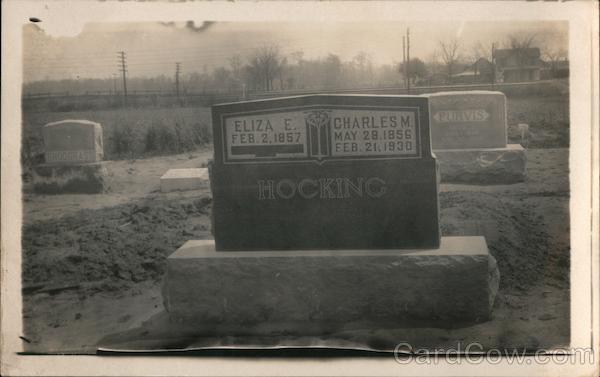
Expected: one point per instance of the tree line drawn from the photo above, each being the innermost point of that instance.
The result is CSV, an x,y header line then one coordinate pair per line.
x,y
268,69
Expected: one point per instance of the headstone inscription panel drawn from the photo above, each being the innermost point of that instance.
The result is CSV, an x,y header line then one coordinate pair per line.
x,y
73,142
324,172
468,120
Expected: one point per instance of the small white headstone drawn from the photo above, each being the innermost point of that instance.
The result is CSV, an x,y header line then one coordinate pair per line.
x,y
524,131
183,179
73,142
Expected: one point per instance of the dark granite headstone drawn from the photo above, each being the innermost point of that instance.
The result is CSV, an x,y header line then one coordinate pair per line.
x,y
324,172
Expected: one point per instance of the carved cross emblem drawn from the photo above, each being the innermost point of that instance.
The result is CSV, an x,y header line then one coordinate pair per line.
x,y
318,122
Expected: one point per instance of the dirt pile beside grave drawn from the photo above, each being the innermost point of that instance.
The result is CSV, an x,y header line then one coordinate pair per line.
x,y
110,248
517,236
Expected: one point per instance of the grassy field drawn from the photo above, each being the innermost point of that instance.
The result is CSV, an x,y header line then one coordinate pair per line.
x,y
131,133
548,119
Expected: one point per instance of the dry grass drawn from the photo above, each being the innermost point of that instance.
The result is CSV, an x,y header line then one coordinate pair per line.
x,y
131,133
548,119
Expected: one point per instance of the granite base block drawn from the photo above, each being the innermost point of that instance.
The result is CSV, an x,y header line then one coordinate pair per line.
x,y
88,178
184,179
483,166
456,283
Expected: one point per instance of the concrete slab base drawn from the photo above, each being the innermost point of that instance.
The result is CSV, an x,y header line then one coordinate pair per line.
x,y
483,166
183,179
88,178
318,291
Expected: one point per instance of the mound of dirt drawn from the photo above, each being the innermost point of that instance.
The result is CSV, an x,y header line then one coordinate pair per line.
x,y
516,236
114,247
111,247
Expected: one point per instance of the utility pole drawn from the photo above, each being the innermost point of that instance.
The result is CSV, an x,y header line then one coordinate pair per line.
x,y
177,71
493,64
404,57
408,59
123,69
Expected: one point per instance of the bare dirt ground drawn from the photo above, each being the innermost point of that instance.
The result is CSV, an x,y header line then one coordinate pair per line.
x,y
127,179
93,264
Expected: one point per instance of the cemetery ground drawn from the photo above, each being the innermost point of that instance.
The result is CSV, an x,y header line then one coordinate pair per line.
x,y
93,264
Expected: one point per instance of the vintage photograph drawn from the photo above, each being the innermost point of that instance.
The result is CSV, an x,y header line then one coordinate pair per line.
x,y
243,187
364,184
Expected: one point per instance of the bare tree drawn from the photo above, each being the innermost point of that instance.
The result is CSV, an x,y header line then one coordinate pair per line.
x,y
477,51
433,61
416,69
268,60
281,71
362,62
295,75
262,68
235,62
332,70
361,59
297,57
252,73
554,56
521,43
222,78
450,54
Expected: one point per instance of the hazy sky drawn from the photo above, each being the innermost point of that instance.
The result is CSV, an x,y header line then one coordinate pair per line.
x,y
153,48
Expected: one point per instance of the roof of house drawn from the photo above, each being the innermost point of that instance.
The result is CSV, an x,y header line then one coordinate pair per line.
x,y
482,61
468,72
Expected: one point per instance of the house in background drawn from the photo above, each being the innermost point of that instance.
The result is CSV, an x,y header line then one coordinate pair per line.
x,y
560,69
556,69
482,71
518,64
